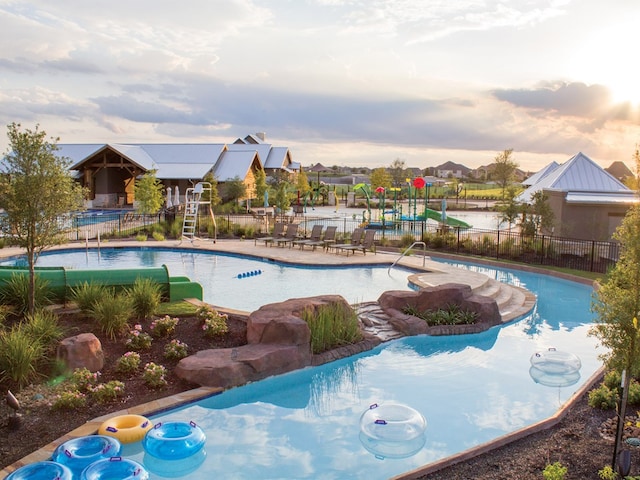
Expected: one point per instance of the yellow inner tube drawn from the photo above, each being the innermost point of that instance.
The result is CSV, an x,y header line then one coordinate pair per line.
x,y
126,428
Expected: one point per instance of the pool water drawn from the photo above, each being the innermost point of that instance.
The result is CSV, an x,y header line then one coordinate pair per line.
x,y
218,275
470,388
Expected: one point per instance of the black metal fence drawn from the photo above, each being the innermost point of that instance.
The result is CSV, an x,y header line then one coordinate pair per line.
x,y
587,255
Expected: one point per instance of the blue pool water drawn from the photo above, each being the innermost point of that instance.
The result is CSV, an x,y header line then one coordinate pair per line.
x,y
470,388
218,275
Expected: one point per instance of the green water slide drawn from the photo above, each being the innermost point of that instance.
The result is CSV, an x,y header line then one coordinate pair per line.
x,y
61,280
452,222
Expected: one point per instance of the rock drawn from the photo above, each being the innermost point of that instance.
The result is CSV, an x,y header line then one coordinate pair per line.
x,y
432,298
81,351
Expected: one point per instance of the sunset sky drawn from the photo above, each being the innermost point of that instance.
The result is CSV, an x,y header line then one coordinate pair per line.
x,y
341,82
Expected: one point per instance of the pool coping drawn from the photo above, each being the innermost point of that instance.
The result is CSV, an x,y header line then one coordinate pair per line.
x,y
190,396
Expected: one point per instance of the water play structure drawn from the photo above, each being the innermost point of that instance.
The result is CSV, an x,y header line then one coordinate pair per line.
x,y
61,280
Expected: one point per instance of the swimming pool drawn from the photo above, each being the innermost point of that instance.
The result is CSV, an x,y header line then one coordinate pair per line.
x,y
218,275
470,388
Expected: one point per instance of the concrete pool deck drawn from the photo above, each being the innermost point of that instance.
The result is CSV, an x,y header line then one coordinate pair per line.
x,y
434,274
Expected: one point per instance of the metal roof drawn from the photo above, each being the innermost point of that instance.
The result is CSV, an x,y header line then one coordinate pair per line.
x,y
579,173
234,164
536,177
619,198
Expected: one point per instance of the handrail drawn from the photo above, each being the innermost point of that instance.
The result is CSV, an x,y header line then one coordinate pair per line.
x,y
424,255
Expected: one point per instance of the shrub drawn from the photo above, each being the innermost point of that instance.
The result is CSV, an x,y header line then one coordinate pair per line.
x,y
406,240
128,363
145,294
157,236
112,313
19,356
15,292
83,379
163,327
69,399
106,392
176,350
603,397
214,323
332,325
154,375
137,339
612,380
634,392
43,327
554,471
87,295
141,237
451,315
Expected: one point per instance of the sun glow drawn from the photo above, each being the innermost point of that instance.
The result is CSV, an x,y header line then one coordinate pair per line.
x,y
608,58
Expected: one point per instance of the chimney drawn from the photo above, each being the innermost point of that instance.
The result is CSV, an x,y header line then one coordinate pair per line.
x,y
261,135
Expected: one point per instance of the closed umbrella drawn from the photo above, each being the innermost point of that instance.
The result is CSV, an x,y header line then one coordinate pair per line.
x,y
169,203
444,210
176,197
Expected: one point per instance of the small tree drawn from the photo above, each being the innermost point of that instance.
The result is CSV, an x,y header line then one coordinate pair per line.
x,y
302,184
380,178
214,196
509,208
236,189
398,172
505,169
538,216
36,190
261,184
149,194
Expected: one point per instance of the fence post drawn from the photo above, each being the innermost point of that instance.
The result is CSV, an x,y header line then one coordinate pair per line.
x,y
593,254
498,246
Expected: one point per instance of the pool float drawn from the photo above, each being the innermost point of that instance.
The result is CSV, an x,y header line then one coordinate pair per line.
x,y
80,452
115,467
42,471
392,422
556,362
175,468
391,449
126,428
174,440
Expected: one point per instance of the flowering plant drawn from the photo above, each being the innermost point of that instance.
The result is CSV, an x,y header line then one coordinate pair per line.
x,y
105,392
175,350
163,327
137,339
68,399
153,375
83,379
214,322
127,363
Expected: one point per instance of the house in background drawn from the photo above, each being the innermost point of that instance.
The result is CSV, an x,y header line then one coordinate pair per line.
x,y
109,171
588,202
451,170
620,171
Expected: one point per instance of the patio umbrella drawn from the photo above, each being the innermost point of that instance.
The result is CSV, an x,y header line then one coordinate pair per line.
x,y
169,203
176,196
444,210
266,198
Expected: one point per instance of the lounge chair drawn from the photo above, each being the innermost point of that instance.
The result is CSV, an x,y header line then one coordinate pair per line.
x,y
289,236
328,239
316,234
368,243
278,231
356,237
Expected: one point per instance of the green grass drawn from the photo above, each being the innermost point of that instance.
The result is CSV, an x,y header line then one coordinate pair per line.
x,y
331,326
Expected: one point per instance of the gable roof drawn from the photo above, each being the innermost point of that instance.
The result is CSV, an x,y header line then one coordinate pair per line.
x,y
619,170
234,164
449,165
582,178
540,174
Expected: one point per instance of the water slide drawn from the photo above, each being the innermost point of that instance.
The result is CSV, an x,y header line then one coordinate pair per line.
x,y
61,280
437,216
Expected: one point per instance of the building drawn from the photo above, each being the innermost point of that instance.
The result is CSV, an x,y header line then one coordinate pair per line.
x,y
109,171
588,202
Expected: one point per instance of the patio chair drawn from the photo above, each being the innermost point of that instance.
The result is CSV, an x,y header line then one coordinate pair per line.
x,y
368,243
356,237
316,234
288,237
328,239
278,231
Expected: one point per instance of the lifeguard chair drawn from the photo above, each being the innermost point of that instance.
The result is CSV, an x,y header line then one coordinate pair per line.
x,y
195,197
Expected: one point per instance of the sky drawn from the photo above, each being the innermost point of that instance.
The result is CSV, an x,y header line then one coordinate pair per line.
x,y
340,82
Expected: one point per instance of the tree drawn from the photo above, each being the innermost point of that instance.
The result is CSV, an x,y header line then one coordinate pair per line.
x,y
214,196
36,191
398,172
538,216
380,178
617,305
261,184
509,208
236,189
505,169
302,184
149,193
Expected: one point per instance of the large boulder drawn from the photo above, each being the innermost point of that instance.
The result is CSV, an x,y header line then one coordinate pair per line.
x,y
82,351
394,303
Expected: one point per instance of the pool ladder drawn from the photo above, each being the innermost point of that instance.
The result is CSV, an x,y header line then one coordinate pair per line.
x,y
424,255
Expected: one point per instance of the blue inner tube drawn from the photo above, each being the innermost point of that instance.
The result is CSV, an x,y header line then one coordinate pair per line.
x,y
80,452
115,467
174,440
42,471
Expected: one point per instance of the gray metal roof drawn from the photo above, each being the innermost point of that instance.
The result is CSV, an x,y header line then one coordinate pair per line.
x,y
536,177
234,164
578,174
